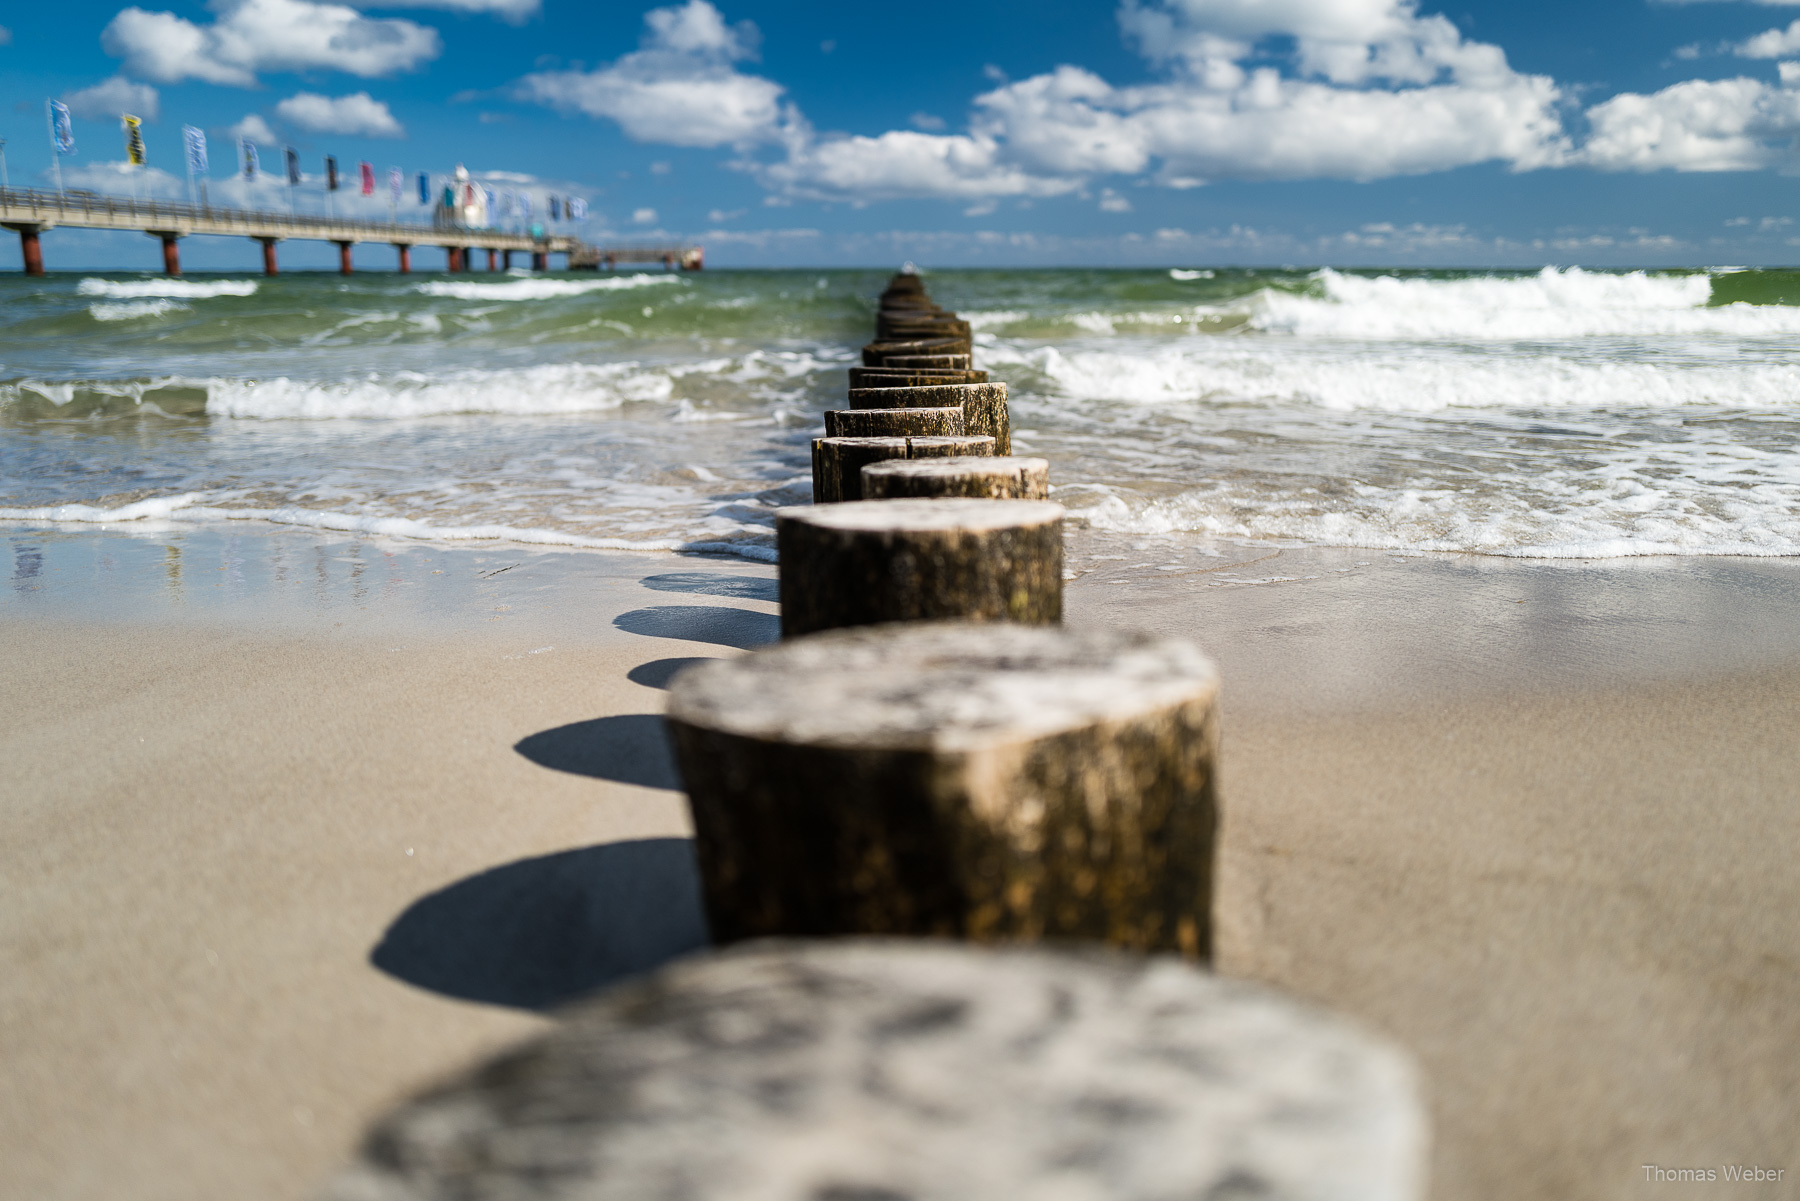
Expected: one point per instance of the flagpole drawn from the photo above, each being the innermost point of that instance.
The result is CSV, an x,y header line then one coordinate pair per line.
x,y
55,150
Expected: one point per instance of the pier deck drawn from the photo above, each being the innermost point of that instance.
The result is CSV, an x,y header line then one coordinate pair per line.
x,y
30,212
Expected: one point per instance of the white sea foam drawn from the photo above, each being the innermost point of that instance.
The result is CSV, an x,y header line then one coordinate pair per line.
x,y
539,289
1184,276
553,388
131,310
1553,305
185,289
1420,380
187,507
1617,523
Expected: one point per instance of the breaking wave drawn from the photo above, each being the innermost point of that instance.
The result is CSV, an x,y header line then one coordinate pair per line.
x,y
179,288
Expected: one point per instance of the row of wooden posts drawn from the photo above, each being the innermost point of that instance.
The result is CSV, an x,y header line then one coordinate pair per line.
x,y
941,828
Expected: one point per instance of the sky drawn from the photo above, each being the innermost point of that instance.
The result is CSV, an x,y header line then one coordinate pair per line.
x,y
1142,132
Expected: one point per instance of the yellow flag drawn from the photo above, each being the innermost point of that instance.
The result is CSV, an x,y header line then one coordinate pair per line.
x,y
134,140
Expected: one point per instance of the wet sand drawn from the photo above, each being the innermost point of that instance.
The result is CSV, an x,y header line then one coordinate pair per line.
x,y
1535,821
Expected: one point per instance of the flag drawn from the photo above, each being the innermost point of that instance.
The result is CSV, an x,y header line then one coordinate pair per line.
x,y
194,140
367,172
577,209
424,188
247,149
134,139
61,131
330,174
293,167
396,183
524,204
555,210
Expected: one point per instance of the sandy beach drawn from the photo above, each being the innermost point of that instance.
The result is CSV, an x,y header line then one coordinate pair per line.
x,y
294,824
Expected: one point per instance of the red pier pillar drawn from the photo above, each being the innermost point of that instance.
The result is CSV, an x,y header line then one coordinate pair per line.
x,y
30,249
268,245
493,259
171,244
455,256
405,257
540,260
344,257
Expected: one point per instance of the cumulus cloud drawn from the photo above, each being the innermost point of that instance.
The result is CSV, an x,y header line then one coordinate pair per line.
x,y
680,88
512,11
357,114
1370,90
114,97
1771,43
252,129
1697,125
252,36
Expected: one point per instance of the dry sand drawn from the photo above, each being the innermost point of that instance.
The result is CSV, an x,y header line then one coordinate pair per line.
x,y
1536,821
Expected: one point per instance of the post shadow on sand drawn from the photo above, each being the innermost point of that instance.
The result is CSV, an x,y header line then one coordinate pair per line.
x,y
544,931
715,583
658,672
631,748
741,628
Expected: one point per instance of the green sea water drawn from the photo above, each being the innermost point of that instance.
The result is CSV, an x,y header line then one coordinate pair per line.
x,y
1553,413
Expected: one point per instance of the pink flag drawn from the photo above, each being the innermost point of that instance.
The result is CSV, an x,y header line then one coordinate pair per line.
x,y
368,179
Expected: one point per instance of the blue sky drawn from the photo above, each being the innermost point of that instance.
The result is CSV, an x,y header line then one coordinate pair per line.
x,y
1152,131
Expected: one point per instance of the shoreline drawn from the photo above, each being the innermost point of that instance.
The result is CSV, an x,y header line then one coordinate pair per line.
x,y
1531,818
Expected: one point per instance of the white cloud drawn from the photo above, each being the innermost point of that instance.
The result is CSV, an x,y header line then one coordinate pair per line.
x,y
113,97
1112,202
253,129
512,11
1771,43
356,114
1372,90
1697,125
679,89
644,216
926,121
123,179
253,36
904,163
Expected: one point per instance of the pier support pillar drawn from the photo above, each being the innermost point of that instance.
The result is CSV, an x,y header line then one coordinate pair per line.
x,y
454,255
405,257
344,257
493,259
30,249
540,261
171,249
506,260
268,245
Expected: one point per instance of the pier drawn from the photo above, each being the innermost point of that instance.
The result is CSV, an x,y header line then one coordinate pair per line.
x,y
31,212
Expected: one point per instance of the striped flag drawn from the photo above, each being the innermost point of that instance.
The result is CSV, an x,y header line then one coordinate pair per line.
x,y
367,172
134,139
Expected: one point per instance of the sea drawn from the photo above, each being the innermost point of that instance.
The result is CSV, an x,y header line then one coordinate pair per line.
x,y
1189,412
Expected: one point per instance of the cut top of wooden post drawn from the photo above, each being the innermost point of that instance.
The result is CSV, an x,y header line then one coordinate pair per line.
x,y
1008,477
892,1070
941,686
